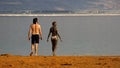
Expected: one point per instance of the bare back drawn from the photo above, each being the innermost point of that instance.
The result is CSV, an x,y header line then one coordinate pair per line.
x,y
35,29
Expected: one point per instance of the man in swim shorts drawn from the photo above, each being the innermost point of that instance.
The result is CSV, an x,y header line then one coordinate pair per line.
x,y
34,33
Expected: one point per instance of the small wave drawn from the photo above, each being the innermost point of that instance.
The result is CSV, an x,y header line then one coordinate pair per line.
x,y
59,14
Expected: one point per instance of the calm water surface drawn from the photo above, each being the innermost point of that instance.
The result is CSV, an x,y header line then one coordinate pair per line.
x,y
81,35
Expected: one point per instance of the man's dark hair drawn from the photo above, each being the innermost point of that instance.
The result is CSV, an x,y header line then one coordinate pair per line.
x,y
35,20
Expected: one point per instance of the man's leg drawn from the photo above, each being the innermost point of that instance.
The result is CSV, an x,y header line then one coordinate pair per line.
x,y
32,49
36,49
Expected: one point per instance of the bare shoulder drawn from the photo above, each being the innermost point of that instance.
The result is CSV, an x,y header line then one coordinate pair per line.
x,y
39,25
31,25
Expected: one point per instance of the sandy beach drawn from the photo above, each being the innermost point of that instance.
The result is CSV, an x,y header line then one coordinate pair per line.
x,y
12,61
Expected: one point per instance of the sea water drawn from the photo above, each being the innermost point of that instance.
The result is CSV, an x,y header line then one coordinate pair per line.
x,y
81,35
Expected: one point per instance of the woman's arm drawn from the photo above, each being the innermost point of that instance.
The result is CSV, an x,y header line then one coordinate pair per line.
x,y
59,36
48,35
40,32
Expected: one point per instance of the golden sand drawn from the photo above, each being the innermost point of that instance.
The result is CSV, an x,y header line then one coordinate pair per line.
x,y
11,61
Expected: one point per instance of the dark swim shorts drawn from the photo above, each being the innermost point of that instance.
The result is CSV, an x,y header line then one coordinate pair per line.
x,y
35,39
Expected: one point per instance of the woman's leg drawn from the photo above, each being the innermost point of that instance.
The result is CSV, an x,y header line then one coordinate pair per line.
x,y
54,46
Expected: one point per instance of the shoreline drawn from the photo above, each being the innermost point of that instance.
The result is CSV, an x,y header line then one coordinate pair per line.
x,y
59,14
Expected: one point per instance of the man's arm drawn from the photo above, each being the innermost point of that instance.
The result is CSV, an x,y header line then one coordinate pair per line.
x,y
40,32
29,32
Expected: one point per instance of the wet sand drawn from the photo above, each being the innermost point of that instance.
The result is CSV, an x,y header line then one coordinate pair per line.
x,y
12,61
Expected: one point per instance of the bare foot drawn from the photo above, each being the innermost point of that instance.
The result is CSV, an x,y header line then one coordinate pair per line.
x,y
36,54
54,54
31,53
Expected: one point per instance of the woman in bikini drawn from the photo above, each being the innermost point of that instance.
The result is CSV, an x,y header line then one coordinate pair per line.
x,y
55,36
